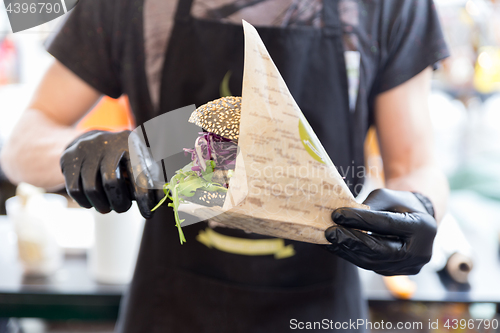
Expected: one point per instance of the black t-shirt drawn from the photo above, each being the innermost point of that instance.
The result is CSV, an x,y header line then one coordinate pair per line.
x,y
118,46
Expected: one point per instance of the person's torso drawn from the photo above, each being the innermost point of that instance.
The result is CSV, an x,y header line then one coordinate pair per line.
x,y
289,278
185,62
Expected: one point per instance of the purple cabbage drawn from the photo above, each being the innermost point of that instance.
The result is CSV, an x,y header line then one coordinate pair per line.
x,y
210,146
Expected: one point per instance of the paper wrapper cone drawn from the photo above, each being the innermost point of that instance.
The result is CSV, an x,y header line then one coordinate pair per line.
x,y
284,184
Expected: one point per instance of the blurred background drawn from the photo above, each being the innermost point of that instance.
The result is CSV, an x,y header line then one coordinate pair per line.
x,y
69,276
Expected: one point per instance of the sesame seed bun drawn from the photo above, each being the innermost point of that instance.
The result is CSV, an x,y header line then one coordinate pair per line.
x,y
221,117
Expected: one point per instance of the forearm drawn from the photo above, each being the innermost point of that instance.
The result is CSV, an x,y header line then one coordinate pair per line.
x,y
428,180
33,151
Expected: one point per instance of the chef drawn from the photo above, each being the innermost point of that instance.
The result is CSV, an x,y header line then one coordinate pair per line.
x,y
349,64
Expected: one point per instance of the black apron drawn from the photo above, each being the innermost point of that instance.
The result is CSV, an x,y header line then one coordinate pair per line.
x,y
194,288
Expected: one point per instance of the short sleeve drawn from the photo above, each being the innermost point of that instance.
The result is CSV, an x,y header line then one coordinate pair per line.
x,y
415,41
85,43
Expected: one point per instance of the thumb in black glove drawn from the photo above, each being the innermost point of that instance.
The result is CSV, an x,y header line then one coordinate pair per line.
x,y
99,173
394,237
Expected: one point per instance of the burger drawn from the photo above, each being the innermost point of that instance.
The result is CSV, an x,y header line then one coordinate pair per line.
x,y
205,180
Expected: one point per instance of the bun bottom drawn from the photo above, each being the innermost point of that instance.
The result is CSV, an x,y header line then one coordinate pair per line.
x,y
207,198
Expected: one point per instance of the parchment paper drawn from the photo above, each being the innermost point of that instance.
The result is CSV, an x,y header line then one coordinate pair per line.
x,y
285,184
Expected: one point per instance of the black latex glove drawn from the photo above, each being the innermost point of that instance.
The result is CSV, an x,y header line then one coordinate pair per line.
x,y
402,232
98,173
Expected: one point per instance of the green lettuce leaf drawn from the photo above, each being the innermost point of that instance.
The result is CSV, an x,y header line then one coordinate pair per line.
x,y
184,183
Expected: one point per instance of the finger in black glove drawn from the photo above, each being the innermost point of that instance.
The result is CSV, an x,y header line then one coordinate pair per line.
x,y
394,237
98,173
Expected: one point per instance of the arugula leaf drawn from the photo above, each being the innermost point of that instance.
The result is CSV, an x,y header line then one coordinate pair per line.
x,y
184,183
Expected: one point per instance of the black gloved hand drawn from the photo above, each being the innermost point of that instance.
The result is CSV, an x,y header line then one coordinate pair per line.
x,y
98,173
402,232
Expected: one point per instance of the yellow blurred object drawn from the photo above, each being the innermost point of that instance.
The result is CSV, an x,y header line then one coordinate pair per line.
x,y
465,18
400,286
373,160
109,115
487,76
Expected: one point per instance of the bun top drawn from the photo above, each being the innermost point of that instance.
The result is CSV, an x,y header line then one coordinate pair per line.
x,y
221,117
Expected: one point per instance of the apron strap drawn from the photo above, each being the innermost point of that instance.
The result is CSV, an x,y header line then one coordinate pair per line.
x,y
331,18
183,9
